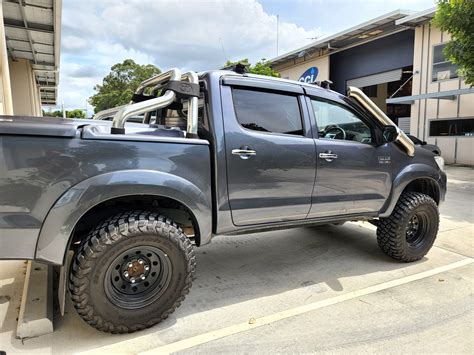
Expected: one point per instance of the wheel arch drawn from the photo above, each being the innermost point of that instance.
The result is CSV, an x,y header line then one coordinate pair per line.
x,y
425,186
88,196
415,178
169,207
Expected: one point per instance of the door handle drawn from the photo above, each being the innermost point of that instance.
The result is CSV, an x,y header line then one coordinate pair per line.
x,y
244,152
328,156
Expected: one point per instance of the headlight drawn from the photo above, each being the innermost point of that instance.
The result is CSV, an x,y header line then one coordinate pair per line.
x,y
440,161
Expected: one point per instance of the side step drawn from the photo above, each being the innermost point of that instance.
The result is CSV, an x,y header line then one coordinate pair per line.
x,y
36,308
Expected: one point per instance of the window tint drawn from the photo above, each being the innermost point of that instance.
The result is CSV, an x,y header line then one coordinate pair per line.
x,y
461,127
267,112
336,122
443,69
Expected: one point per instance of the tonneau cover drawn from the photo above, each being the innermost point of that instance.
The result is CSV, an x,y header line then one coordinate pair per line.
x,y
39,126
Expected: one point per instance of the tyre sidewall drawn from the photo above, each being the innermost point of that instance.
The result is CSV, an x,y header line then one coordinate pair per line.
x,y
430,232
110,312
392,231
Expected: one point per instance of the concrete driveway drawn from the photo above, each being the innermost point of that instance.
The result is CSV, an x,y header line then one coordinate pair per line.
x,y
325,289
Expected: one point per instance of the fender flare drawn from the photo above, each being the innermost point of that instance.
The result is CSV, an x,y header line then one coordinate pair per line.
x,y
62,218
407,175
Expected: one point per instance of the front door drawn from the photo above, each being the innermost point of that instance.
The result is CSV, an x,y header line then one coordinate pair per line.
x,y
353,172
270,155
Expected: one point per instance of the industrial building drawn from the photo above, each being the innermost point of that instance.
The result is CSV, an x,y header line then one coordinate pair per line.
x,y
30,34
396,59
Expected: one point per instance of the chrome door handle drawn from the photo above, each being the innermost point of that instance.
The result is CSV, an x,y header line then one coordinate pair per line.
x,y
328,156
244,152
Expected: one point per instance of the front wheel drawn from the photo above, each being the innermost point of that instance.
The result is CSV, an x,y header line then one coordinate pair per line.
x,y
410,231
131,272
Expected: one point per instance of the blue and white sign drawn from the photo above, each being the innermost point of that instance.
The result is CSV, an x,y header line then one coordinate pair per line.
x,y
310,75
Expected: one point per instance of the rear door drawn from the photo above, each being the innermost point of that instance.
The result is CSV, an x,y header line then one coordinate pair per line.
x,y
270,154
353,171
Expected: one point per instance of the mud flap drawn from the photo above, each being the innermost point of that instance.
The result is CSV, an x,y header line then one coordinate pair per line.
x,y
62,285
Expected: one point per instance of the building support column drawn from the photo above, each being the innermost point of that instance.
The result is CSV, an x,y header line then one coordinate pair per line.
x,y
5,87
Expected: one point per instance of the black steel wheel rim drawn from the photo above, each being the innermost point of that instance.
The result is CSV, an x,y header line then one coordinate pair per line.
x,y
416,229
138,277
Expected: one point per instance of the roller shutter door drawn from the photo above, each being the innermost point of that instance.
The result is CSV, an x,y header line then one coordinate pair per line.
x,y
404,124
375,79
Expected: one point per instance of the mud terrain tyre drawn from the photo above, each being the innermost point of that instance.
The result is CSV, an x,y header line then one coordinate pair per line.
x,y
410,231
131,272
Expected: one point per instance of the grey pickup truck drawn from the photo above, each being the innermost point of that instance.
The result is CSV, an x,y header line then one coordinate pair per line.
x,y
119,206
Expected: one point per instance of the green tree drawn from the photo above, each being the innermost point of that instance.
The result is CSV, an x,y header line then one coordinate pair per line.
x,y
119,85
457,18
77,113
262,67
56,113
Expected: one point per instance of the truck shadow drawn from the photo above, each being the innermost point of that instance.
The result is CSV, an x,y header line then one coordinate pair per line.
x,y
7,295
10,293
236,269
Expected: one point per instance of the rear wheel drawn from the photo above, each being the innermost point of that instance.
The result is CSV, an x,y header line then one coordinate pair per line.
x,y
410,231
131,272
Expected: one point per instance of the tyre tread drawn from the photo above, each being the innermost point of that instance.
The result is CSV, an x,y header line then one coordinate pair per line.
x,y
391,233
110,232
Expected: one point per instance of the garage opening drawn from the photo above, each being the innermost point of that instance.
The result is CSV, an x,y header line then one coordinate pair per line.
x,y
379,87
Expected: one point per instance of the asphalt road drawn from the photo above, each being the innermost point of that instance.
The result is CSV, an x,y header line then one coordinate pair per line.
x,y
325,289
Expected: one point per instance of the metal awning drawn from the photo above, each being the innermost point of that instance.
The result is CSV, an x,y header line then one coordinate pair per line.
x,y
366,31
417,18
33,32
442,95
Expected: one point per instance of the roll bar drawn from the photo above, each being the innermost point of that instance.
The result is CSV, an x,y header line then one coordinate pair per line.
x,y
192,121
175,85
118,123
370,106
172,74
107,113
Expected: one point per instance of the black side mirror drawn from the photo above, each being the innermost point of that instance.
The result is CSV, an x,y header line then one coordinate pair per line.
x,y
391,133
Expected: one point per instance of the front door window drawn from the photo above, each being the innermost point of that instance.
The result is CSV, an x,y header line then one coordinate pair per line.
x,y
337,122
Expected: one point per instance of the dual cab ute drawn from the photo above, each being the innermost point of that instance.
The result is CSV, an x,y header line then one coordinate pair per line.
x,y
216,153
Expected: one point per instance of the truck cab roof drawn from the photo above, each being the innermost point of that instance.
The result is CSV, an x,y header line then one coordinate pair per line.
x,y
265,79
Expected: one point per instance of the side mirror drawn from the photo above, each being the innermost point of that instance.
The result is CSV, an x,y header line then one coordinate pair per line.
x,y
391,133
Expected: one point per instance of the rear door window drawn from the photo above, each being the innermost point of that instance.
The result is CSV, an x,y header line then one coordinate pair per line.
x,y
267,111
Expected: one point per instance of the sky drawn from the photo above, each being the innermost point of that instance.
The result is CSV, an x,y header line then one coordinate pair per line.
x,y
195,34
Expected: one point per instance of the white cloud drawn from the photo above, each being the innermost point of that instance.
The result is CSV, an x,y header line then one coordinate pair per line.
x,y
184,34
